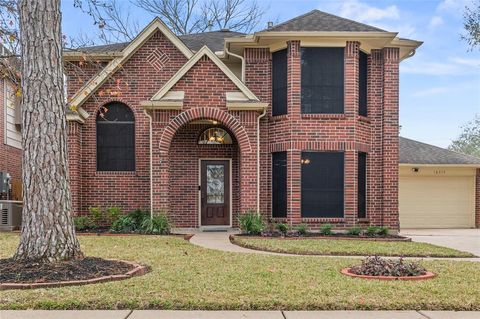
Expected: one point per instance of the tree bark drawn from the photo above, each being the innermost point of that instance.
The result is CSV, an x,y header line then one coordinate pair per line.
x,y
48,232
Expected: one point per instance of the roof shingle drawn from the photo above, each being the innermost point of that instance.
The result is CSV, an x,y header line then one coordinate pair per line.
x,y
414,152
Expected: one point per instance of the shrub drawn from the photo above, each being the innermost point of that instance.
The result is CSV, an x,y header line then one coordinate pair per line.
x,y
283,228
251,223
159,224
113,213
383,231
124,224
302,229
326,230
138,216
371,231
96,216
81,222
377,266
354,231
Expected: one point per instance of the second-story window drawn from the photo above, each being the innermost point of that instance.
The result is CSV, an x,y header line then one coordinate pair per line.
x,y
322,80
279,82
362,84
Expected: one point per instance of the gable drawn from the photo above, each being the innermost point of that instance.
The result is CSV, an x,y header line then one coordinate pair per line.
x,y
113,66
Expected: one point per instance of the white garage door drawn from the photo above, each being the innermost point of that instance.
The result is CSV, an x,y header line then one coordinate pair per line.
x,y
436,202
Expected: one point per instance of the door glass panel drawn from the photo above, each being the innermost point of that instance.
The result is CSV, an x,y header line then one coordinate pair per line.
x,y
215,184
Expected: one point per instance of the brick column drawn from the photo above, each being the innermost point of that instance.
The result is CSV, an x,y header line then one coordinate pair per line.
x,y
74,164
375,157
160,165
294,88
477,199
351,111
248,164
390,137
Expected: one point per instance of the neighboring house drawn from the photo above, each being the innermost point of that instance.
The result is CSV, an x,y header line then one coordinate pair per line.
x,y
10,127
298,122
438,188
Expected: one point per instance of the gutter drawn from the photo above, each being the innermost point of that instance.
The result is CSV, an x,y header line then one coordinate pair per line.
x,y
241,59
150,120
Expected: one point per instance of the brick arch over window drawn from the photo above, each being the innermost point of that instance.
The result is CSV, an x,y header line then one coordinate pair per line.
x,y
205,113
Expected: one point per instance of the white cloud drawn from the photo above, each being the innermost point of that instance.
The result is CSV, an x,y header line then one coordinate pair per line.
x,y
430,68
466,61
362,12
435,21
431,91
451,5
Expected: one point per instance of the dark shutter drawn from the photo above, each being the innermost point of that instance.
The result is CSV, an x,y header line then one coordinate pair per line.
x,y
322,184
322,80
116,138
362,185
279,82
362,84
279,184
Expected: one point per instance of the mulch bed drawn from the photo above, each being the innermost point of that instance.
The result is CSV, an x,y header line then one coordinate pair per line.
x,y
425,276
32,272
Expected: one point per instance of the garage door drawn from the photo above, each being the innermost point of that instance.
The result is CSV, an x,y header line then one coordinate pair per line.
x,y
436,202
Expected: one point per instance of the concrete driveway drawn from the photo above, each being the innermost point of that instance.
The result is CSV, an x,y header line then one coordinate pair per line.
x,y
461,239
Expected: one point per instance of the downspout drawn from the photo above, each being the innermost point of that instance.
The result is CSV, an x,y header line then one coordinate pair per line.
x,y
258,158
151,161
241,59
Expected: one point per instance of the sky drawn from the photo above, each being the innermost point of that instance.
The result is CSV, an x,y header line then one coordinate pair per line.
x,y
439,85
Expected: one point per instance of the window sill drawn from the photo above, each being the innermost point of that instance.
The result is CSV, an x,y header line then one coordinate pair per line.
x,y
115,172
364,119
279,117
324,116
333,220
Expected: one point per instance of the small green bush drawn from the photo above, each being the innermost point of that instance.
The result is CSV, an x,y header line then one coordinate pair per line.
x,y
371,231
354,231
138,216
81,222
383,231
96,216
159,225
326,229
113,213
282,228
251,223
124,224
302,229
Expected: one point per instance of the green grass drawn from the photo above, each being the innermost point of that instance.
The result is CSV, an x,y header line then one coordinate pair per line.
x,y
348,247
185,276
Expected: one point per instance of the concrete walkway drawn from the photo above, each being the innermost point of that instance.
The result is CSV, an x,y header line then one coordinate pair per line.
x,y
461,239
167,314
221,241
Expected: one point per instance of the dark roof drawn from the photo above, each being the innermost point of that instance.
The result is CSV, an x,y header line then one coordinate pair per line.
x,y
317,20
214,40
414,152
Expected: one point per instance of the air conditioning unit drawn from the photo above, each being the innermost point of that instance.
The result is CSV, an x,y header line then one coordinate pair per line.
x,y
10,215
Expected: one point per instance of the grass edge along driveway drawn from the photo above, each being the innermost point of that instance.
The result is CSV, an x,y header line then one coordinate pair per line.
x,y
340,247
185,276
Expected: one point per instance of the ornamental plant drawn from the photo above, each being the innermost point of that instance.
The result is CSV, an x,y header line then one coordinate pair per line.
x,y
377,266
251,223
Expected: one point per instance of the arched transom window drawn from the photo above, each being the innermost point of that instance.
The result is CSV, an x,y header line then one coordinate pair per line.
x,y
215,135
115,138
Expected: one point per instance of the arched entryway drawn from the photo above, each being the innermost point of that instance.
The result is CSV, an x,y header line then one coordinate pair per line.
x,y
204,169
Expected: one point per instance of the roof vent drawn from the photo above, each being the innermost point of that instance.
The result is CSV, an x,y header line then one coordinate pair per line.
x,y
269,24
224,30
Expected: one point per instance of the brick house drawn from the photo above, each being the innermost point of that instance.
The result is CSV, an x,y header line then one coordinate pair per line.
x,y
298,122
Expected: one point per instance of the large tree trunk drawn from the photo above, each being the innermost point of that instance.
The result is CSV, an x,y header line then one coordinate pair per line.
x,y
48,233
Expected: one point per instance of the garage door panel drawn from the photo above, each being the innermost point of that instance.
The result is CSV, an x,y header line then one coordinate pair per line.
x,y
436,202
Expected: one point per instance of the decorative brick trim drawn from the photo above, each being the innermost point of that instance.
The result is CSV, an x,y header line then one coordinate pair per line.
x,y
319,146
477,199
158,59
205,113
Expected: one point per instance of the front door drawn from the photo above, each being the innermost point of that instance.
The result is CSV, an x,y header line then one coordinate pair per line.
x,y
215,192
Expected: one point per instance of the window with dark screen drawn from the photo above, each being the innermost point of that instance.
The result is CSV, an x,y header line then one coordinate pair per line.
x,y
279,82
279,184
322,184
362,185
362,84
115,138
323,80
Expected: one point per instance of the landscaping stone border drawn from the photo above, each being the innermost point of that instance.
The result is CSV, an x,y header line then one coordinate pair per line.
x,y
138,270
428,275
396,239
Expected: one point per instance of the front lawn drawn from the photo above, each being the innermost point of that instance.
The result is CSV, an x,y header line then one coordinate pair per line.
x,y
185,276
348,247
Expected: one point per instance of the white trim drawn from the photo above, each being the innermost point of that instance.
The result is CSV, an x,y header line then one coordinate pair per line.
x,y
193,60
199,170
98,80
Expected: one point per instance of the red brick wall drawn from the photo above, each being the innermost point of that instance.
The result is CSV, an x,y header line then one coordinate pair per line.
x,y
10,157
477,199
